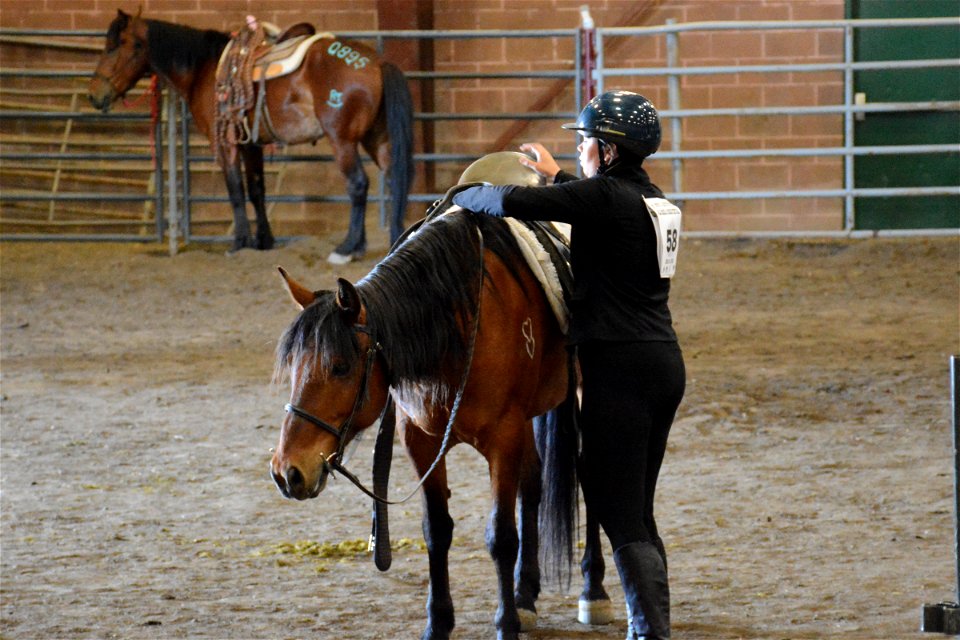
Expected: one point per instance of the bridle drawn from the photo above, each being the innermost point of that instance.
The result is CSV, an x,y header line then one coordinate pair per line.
x,y
334,462
343,432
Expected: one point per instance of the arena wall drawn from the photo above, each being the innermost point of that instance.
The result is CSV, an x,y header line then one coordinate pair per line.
x,y
488,55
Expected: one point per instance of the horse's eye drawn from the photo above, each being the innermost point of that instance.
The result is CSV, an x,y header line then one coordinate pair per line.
x,y
339,369
137,45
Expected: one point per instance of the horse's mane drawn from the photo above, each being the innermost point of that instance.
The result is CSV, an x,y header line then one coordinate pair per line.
x,y
420,303
179,47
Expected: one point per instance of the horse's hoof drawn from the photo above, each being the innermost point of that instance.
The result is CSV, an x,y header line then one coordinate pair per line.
x,y
265,244
339,258
336,257
595,611
528,619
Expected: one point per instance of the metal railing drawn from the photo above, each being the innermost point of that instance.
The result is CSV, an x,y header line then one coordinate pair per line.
x,y
28,160
673,117
380,196
849,109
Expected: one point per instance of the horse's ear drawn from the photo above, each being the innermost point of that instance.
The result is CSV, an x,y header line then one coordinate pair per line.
x,y
348,300
139,12
300,294
121,14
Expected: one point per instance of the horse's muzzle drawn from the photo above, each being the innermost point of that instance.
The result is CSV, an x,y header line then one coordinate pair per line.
x,y
101,103
293,485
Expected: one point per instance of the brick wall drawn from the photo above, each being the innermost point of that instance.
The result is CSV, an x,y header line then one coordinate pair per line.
x,y
469,55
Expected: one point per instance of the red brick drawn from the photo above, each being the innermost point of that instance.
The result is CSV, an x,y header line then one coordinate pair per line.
x,y
795,46
738,45
764,11
756,176
763,126
812,175
789,95
817,10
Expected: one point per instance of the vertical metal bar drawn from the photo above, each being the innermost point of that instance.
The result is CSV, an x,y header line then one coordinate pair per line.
x,y
185,161
578,69
587,35
673,101
598,51
172,221
381,176
848,141
954,400
157,156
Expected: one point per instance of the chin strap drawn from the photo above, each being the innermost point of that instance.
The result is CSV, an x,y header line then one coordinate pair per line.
x,y
601,148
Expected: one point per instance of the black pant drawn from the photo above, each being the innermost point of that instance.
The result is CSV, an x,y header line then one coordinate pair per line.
x,y
631,391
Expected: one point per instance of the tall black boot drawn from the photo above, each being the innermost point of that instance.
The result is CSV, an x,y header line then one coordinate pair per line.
x,y
644,580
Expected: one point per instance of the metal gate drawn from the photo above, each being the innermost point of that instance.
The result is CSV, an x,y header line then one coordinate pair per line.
x,y
175,194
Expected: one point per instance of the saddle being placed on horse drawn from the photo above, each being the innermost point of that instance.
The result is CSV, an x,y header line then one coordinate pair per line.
x,y
545,247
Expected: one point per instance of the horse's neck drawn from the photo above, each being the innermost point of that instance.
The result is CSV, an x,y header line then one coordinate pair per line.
x,y
183,75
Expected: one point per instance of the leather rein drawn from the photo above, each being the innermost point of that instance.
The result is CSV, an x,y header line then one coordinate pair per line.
x,y
334,461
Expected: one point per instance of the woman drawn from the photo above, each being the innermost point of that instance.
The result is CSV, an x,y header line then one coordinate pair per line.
x,y
632,366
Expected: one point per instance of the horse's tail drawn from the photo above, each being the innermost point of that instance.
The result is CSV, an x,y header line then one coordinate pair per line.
x,y
399,107
557,440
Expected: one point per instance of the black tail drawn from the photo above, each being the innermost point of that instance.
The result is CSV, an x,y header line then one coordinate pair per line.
x,y
557,439
399,106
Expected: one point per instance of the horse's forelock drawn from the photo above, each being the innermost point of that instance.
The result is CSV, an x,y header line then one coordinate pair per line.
x,y
115,29
319,332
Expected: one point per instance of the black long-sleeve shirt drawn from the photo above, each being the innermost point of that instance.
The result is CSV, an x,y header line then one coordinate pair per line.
x,y
618,292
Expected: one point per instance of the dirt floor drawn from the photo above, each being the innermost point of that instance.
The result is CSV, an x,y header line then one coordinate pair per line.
x,y
807,491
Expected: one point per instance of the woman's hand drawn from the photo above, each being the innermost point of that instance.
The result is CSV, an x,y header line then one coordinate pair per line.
x,y
543,162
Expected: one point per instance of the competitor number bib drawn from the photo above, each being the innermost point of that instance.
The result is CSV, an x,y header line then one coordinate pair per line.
x,y
666,221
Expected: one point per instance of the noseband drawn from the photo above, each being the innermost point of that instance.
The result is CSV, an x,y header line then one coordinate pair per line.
x,y
342,434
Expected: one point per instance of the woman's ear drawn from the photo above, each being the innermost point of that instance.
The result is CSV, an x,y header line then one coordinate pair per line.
x,y
610,153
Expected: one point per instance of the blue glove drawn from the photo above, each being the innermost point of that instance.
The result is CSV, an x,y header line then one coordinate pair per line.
x,y
486,199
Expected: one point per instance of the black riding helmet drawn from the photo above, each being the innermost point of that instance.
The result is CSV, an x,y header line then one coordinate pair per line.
x,y
624,118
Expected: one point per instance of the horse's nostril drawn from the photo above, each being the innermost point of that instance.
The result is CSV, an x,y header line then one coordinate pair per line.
x,y
295,481
280,482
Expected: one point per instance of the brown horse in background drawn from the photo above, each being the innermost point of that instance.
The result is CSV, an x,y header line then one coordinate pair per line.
x,y
454,327
342,91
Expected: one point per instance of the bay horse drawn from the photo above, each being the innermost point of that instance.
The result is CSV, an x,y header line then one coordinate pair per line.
x,y
453,327
342,90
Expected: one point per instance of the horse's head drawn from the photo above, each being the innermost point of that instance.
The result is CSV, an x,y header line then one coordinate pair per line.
x,y
124,60
337,386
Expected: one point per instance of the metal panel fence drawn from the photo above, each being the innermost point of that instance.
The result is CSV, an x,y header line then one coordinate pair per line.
x,y
175,205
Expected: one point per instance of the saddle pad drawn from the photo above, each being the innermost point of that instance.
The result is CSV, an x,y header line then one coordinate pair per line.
x,y
279,59
540,264
285,57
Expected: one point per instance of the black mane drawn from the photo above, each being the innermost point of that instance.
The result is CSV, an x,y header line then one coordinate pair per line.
x,y
175,47
420,300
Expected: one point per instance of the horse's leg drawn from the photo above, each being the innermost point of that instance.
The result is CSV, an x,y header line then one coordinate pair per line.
x,y
355,244
594,605
437,530
527,574
253,162
502,539
234,179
